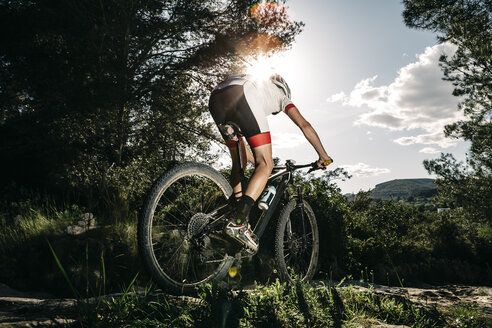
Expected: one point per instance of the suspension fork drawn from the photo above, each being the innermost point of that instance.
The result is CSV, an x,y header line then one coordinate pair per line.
x,y
300,205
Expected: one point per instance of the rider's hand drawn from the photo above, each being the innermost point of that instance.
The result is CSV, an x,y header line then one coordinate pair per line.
x,y
324,162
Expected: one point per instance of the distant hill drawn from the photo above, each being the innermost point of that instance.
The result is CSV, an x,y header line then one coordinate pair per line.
x,y
405,188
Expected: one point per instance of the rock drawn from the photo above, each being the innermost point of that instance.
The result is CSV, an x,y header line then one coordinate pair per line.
x,y
83,224
23,309
75,230
89,219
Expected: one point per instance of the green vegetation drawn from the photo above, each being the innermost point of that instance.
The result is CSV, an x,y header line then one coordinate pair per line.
x,y
389,242
408,190
99,98
276,305
466,24
97,259
381,241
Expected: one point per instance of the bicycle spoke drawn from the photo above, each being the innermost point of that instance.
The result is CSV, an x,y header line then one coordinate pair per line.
x,y
180,198
194,272
180,207
207,208
183,214
188,258
175,252
298,243
168,223
290,240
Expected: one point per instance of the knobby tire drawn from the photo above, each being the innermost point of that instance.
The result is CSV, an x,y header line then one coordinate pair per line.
x,y
176,262
297,253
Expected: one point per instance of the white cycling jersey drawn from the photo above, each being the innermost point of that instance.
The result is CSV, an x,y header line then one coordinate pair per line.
x,y
261,95
247,102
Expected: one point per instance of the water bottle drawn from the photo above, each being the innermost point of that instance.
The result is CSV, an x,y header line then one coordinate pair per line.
x,y
266,198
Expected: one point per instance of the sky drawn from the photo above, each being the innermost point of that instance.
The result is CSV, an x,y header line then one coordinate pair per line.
x,y
372,89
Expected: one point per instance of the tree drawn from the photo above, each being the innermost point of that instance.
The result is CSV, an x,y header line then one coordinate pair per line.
x,y
467,24
104,93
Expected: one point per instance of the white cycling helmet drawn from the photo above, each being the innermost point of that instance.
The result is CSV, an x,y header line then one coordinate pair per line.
x,y
281,84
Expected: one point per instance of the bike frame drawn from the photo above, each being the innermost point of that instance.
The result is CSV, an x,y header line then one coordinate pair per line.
x,y
265,216
286,174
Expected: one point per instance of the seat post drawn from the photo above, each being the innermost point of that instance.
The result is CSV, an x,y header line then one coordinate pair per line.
x,y
232,132
239,156
241,168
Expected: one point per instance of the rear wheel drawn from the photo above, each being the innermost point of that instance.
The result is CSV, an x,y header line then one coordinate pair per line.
x,y
176,241
296,242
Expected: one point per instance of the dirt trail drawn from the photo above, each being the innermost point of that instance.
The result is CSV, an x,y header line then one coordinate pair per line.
x,y
22,309
444,296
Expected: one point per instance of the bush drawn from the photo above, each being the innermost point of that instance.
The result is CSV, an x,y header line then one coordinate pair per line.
x,y
105,255
395,240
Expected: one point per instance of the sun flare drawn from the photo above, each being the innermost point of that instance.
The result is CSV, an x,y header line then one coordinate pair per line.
x,y
286,64
263,67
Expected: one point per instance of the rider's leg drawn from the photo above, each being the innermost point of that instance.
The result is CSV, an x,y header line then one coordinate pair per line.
x,y
235,176
264,166
249,155
257,182
238,227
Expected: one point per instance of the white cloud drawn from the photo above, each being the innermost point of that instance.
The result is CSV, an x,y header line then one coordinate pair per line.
x,y
287,140
338,97
362,170
427,139
429,150
418,98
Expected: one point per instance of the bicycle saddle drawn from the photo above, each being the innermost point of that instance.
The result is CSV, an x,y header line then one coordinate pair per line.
x,y
231,131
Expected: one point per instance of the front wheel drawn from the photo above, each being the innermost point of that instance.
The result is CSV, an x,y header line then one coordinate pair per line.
x,y
297,242
176,241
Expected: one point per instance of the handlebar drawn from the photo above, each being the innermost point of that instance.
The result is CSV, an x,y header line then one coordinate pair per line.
x,y
316,167
290,165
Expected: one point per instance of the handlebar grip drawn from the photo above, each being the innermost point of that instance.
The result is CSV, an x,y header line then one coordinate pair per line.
x,y
314,165
328,162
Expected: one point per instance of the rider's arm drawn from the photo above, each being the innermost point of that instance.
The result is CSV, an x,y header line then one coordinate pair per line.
x,y
309,133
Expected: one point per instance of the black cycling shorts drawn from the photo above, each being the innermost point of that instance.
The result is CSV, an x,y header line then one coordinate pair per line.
x,y
230,105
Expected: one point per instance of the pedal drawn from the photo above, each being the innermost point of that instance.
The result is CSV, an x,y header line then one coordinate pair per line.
x,y
248,252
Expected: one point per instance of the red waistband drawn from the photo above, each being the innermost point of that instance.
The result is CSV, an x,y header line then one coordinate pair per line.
x,y
260,140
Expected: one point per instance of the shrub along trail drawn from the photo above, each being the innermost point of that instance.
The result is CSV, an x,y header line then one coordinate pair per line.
x,y
441,296
24,309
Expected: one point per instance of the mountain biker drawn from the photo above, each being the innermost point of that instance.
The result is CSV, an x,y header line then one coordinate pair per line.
x,y
247,102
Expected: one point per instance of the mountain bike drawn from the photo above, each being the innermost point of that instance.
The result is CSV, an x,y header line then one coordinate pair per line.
x,y
180,232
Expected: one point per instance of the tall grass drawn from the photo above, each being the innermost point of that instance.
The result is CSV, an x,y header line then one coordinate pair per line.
x,y
27,261
275,305
30,222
